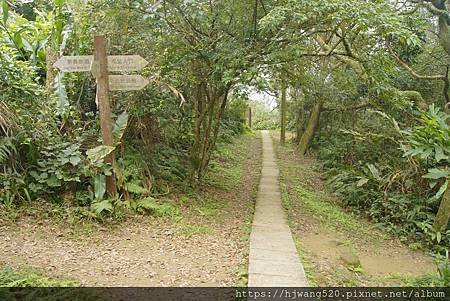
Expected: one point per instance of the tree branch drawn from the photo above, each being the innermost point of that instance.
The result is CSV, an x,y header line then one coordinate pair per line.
x,y
357,107
412,71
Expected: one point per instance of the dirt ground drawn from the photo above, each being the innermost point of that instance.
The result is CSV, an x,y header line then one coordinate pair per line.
x,y
383,259
146,251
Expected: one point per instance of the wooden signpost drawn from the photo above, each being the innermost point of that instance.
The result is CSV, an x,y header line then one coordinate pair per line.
x,y
127,82
100,64
116,63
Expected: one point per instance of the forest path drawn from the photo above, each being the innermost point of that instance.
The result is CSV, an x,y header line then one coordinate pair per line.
x,y
273,258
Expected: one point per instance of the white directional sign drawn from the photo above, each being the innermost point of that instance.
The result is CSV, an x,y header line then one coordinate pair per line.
x,y
126,63
116,63
80,63
127,82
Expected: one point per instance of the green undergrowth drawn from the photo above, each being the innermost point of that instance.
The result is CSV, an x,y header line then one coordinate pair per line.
x,y
330,213
441,278
301,190
428,279
225,171
225,175
29,284
189,230
298,182
27,277
307,264
242,270
209,207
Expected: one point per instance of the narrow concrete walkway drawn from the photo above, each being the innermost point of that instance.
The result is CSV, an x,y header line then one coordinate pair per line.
x,y
273,258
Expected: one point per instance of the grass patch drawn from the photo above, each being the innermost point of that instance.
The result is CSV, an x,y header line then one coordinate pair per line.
x,y
242,276
326,211
189,230
226,170
285,202
307,265
428,279
159,209
30,284
210,207
331,214
10,277
242,271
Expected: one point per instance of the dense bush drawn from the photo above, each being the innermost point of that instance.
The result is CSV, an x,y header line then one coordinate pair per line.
x,y
402,192
50,142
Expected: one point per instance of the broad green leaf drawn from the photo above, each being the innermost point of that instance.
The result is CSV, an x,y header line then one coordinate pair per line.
x,y
99,207
362,181
374,171
436,173
426,153
415,151
5,11
135,188
74,160
438,237
98,153
61,94
99,186
17,37
119,126
440,154
59,2
53,181
441,190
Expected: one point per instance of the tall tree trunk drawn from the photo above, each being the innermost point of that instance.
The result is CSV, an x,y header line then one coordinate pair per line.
x,y
300,125
300,120
200,114
213,139
311,128
283,112
443,214
443,23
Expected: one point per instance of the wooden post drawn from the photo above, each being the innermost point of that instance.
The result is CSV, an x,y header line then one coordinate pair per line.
x,y
249,117
283,112
50,59
100,56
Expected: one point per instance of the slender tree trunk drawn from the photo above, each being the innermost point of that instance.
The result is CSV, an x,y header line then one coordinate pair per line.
x,y
311,128
211,103
300,125
300,122
283,112
444,32
213,140
200,113
443,214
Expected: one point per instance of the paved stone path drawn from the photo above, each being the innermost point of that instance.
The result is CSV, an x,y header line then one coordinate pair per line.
x,y
273,258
